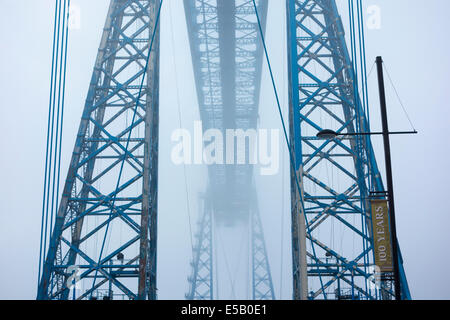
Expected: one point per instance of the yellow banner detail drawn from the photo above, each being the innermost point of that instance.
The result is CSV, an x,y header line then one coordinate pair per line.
x,y
381,235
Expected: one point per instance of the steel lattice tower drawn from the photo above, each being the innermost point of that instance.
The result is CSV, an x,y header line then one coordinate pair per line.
x,y
331,225
107,226
201,281
110,233
227,56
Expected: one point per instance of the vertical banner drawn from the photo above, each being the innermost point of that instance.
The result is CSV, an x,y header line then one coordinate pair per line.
x,y
381,235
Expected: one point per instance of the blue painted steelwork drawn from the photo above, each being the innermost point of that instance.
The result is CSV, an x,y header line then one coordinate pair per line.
x,y
109,141
227,58
336,176
201,284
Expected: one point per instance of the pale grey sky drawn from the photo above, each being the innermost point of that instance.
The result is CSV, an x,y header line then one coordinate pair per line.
x,y
411,41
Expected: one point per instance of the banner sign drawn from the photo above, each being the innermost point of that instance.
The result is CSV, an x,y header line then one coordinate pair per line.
x,y
381,235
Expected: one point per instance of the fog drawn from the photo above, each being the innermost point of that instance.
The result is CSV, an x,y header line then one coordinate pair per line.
x,y
418,68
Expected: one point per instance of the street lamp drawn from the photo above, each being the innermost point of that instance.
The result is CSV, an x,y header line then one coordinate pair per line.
x,y
328,134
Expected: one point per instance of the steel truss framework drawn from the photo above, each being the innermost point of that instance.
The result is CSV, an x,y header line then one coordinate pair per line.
x,y
201,280
262,284
110,233
332,241
227,52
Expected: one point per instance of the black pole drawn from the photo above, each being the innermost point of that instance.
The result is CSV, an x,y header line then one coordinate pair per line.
x,y
387,154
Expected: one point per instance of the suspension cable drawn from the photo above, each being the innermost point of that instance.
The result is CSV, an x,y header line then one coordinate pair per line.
x,y
188,205
54,127
288,143
398,97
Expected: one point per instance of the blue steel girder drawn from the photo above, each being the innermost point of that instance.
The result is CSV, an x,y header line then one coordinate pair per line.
x,y
96,221
336,175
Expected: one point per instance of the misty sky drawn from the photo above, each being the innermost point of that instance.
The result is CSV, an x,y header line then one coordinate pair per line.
x,y
412,42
